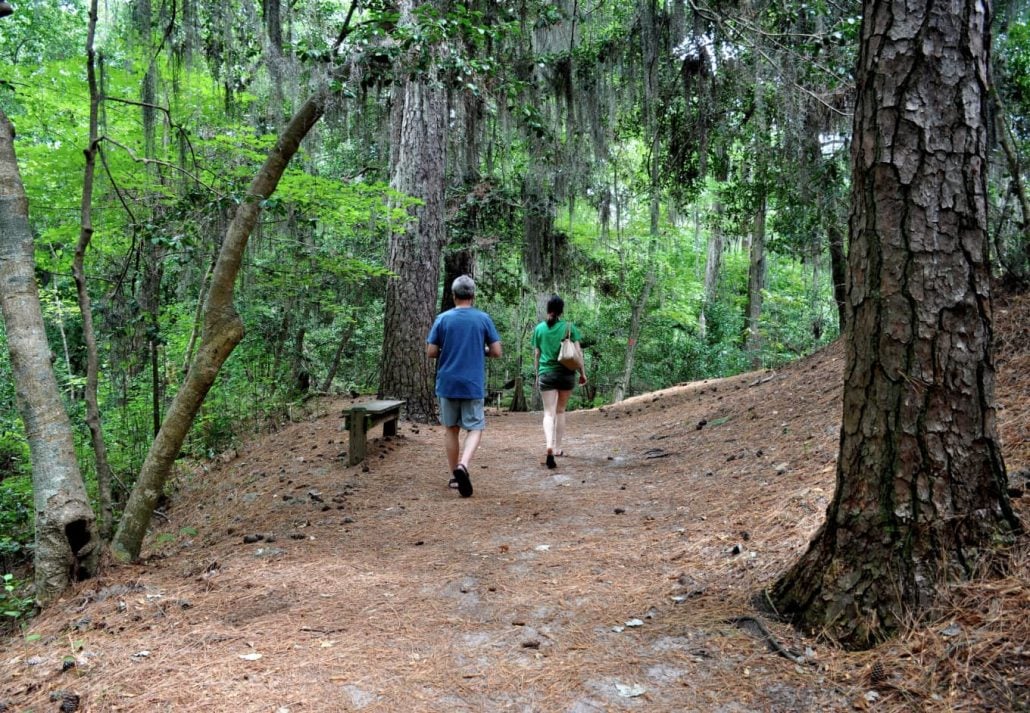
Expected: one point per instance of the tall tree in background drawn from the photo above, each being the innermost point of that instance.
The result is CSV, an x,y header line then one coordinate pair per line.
x,y
417,168
93,421
67,545
921,486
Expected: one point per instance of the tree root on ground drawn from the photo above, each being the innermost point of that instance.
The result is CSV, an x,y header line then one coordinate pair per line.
x,y
774,645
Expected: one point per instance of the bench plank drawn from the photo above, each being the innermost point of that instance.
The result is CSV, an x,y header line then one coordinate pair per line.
x,y
378,406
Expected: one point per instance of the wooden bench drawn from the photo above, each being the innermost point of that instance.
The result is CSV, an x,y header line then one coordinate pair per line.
x,y
359,418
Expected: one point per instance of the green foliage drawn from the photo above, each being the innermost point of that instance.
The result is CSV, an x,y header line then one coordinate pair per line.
x,y
13,607
15,517
43,30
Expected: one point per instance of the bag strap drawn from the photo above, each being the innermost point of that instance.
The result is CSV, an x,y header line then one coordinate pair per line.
x,y
568,330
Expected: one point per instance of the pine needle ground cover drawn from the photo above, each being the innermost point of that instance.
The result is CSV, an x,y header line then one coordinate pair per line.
x,y
629,578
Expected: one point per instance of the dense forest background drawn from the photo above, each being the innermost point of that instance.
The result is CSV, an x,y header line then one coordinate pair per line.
x,y
678,172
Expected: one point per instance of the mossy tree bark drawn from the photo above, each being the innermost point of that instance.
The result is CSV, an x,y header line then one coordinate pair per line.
x,y
921,485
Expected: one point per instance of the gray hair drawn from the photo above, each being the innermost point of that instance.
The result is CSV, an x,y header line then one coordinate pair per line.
x,y
463,288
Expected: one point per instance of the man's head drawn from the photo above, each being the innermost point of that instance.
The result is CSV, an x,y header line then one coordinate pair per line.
x,y
463,288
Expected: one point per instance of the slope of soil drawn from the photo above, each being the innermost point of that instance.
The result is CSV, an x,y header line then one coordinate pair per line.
x,y
616,582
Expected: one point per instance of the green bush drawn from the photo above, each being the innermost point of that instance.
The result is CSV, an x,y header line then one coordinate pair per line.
x,y
13,606
15,521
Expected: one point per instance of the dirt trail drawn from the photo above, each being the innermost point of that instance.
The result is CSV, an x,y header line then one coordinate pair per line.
x,y
608,584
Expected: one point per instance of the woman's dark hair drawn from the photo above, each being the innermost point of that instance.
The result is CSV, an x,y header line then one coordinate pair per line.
x,y
555,307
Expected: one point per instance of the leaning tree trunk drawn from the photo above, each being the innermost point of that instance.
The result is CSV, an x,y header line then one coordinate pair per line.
x,y
66,540
921,486
418,171
222,331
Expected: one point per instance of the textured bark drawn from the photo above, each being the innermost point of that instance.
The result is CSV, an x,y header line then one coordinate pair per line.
x,y
419,121
222,331
67,547
457,261
93,421
921,486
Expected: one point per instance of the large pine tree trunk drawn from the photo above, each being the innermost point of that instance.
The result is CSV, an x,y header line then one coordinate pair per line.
x,y
222,331
67,546
921,486
418,170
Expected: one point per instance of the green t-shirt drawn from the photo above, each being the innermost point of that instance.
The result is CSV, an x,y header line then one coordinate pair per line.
x,y
548,341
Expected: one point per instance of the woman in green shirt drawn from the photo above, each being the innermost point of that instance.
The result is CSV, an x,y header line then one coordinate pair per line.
x,y
554,380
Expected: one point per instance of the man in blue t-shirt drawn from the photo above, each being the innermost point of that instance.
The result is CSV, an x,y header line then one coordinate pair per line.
x,y
460,340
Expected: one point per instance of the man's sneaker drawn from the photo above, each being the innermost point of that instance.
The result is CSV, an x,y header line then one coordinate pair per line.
x,y
461,474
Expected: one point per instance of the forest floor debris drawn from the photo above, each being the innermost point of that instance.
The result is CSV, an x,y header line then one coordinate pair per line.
x,y
282,580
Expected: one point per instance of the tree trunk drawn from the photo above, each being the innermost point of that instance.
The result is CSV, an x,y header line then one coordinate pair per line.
x,y
622,388
418,171
755,285
838,268
650,50
93,421
713,259
223,330
713,265
921,485
66,541
345,338
1008,147
457,261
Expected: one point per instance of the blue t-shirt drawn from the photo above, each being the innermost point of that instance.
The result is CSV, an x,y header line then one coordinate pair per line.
x,y
462,333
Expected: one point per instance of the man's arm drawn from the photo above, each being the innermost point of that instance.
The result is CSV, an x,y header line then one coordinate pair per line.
x,y
494,350
433,351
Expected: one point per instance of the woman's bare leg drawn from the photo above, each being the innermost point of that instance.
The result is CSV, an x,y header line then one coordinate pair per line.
x,y
550,401
559,427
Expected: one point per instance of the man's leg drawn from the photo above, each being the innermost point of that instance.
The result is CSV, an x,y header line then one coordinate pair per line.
x,y
451,444
472,439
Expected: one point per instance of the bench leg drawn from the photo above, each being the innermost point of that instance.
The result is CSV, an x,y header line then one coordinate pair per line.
x,y
358,432
390,427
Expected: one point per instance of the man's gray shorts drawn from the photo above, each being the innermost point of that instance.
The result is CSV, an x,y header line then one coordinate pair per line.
x,y
467,413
